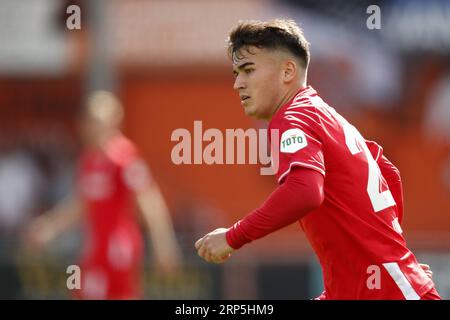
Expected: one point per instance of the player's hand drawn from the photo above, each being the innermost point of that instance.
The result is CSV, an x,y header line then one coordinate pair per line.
x,y
38,234
427,270
213,247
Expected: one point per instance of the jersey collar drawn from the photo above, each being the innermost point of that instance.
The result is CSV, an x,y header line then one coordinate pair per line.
x,y
306,91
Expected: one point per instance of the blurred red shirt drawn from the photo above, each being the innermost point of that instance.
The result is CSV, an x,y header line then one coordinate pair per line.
x,y
113,250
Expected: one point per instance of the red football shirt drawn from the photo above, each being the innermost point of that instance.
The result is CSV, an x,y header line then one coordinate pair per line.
x,y
355,232
107,180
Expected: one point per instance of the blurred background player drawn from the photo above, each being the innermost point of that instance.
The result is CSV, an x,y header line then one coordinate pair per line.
x,y
112,182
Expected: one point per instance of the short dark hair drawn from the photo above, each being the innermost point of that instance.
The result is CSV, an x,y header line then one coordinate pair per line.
x,y
274,34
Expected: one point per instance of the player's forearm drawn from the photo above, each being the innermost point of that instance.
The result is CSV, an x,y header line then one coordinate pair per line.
x,y
164,242
62,217
301,193
159,224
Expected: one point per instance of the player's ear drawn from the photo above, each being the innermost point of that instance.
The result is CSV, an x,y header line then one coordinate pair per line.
x,y
289,70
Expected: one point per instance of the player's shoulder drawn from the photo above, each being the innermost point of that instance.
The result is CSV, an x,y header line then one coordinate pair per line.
x,y
302,117
303,110
121,150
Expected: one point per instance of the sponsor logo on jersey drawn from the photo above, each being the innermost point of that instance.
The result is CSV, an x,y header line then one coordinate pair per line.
x,y
293,140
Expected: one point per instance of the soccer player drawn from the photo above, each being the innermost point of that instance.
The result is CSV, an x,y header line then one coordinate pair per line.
x,y
345,194
112,182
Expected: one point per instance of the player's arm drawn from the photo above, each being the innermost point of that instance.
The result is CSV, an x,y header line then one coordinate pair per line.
x,y
300,193
48,226
391,174
158,222
153,211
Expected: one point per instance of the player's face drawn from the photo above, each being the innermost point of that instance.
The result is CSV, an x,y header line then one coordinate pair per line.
x,y
94,131
258,79
91,131
101,120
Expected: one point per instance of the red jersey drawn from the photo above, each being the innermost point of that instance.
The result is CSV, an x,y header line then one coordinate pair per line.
x,y
355,231
107,180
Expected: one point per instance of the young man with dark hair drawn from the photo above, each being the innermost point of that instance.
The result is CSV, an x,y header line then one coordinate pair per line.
x,y
346,195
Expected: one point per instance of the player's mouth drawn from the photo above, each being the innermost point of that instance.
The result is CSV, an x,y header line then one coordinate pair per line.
x,y
244,98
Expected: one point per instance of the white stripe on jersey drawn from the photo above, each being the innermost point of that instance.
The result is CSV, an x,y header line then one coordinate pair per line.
x,y
293,112
405,287
378,155
306,165
299,105
396,226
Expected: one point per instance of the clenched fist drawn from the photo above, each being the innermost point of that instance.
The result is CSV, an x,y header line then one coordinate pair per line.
x,y
213,247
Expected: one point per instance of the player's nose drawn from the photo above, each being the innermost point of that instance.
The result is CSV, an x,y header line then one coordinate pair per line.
x,y
238,83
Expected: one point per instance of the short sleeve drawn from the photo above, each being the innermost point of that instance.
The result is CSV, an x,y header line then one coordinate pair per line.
x,y
299,143
136,174
134,171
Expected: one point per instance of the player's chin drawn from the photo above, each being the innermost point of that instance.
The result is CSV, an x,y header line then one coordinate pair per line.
x,y
251,111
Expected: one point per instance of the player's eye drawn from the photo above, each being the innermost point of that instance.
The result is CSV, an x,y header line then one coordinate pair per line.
x,y
235,74
248,71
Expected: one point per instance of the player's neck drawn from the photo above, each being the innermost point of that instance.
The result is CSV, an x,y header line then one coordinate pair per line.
x,y
109,136
103,139
289,95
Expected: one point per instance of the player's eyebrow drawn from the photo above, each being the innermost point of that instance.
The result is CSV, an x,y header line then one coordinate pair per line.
x,y
242,66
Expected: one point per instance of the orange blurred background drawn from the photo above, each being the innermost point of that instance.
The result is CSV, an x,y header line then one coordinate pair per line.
x,y
167,62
